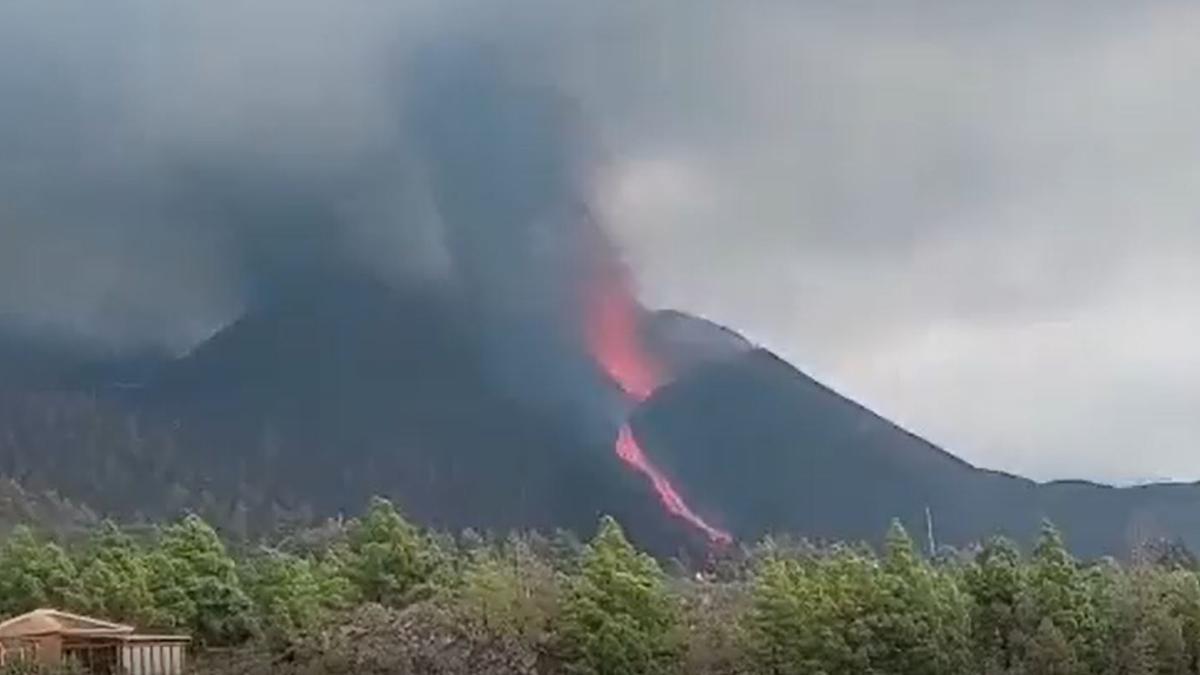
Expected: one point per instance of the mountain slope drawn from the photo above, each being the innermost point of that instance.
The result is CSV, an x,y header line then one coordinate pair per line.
x,y
325,399
768,448
346,388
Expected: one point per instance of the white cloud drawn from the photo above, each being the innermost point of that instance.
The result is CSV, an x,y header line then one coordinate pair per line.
x,y
985,231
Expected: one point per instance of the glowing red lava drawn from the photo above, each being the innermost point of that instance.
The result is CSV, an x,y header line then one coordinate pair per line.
x,y
631,453
614,341
613,338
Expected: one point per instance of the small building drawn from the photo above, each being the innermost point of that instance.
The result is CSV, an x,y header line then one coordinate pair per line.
x,y
54,638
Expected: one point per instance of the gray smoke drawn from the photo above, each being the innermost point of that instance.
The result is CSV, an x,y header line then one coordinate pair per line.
x,y
976,217
507,164
164,168
469,169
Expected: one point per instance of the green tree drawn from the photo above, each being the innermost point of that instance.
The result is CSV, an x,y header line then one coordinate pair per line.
x,y
1059,591
387,560
195,584
809,616
35,574
1181,594
509,592
287,592
565,551
116,577
337,592
1148,625
1050,653
712,614
849,613
995,582
921,622
618,618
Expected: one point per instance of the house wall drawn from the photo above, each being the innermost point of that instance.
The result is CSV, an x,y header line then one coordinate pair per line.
x,y
49,650
14,649
154,658
92,656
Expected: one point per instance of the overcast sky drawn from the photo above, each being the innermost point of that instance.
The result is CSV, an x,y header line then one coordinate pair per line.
x,y
977,218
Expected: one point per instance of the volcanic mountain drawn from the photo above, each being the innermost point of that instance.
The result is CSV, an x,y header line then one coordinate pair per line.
x,y
307,405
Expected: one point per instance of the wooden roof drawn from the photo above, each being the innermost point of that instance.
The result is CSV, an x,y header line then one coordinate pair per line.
x,y
53,621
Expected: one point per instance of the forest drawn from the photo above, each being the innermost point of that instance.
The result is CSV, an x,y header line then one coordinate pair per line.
x,y
377,594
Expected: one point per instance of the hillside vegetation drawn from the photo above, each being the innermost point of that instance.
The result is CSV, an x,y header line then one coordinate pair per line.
x,y
379,595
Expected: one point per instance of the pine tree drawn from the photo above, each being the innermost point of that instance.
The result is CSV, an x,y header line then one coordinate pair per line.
x,y
509,592
287,593
618,618
195,584
1050,653
116,577
1181,594
1148,628
811,616
387,560
1058,591
35,574
921,623
995,583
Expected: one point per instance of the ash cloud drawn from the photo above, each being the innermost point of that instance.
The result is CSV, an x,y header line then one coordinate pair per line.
x,y
976,217
406,156
167,167
162,168
507,166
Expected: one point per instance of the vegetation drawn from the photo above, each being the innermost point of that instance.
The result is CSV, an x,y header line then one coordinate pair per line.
x,y
380,595
617,617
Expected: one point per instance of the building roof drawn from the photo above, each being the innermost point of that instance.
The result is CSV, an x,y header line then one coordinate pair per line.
x,y
53,621
42,622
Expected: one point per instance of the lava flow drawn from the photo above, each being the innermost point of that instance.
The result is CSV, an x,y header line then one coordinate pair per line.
x,y
614,341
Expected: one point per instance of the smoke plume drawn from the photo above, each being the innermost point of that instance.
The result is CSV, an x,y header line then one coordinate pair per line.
x,y
166,169
508,165
444,157
905,198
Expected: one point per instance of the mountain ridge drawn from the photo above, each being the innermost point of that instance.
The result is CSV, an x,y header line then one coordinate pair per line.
x,y
307,405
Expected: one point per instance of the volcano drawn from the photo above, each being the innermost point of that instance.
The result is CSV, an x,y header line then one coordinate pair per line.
x,y
306,406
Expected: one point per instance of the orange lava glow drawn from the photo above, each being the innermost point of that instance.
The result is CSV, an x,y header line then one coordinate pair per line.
x,y
615,342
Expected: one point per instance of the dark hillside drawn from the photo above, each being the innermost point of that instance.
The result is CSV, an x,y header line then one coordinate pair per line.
x,y
345,388
768,448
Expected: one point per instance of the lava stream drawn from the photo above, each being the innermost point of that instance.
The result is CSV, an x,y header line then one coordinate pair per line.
x,y
631,453
615,342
